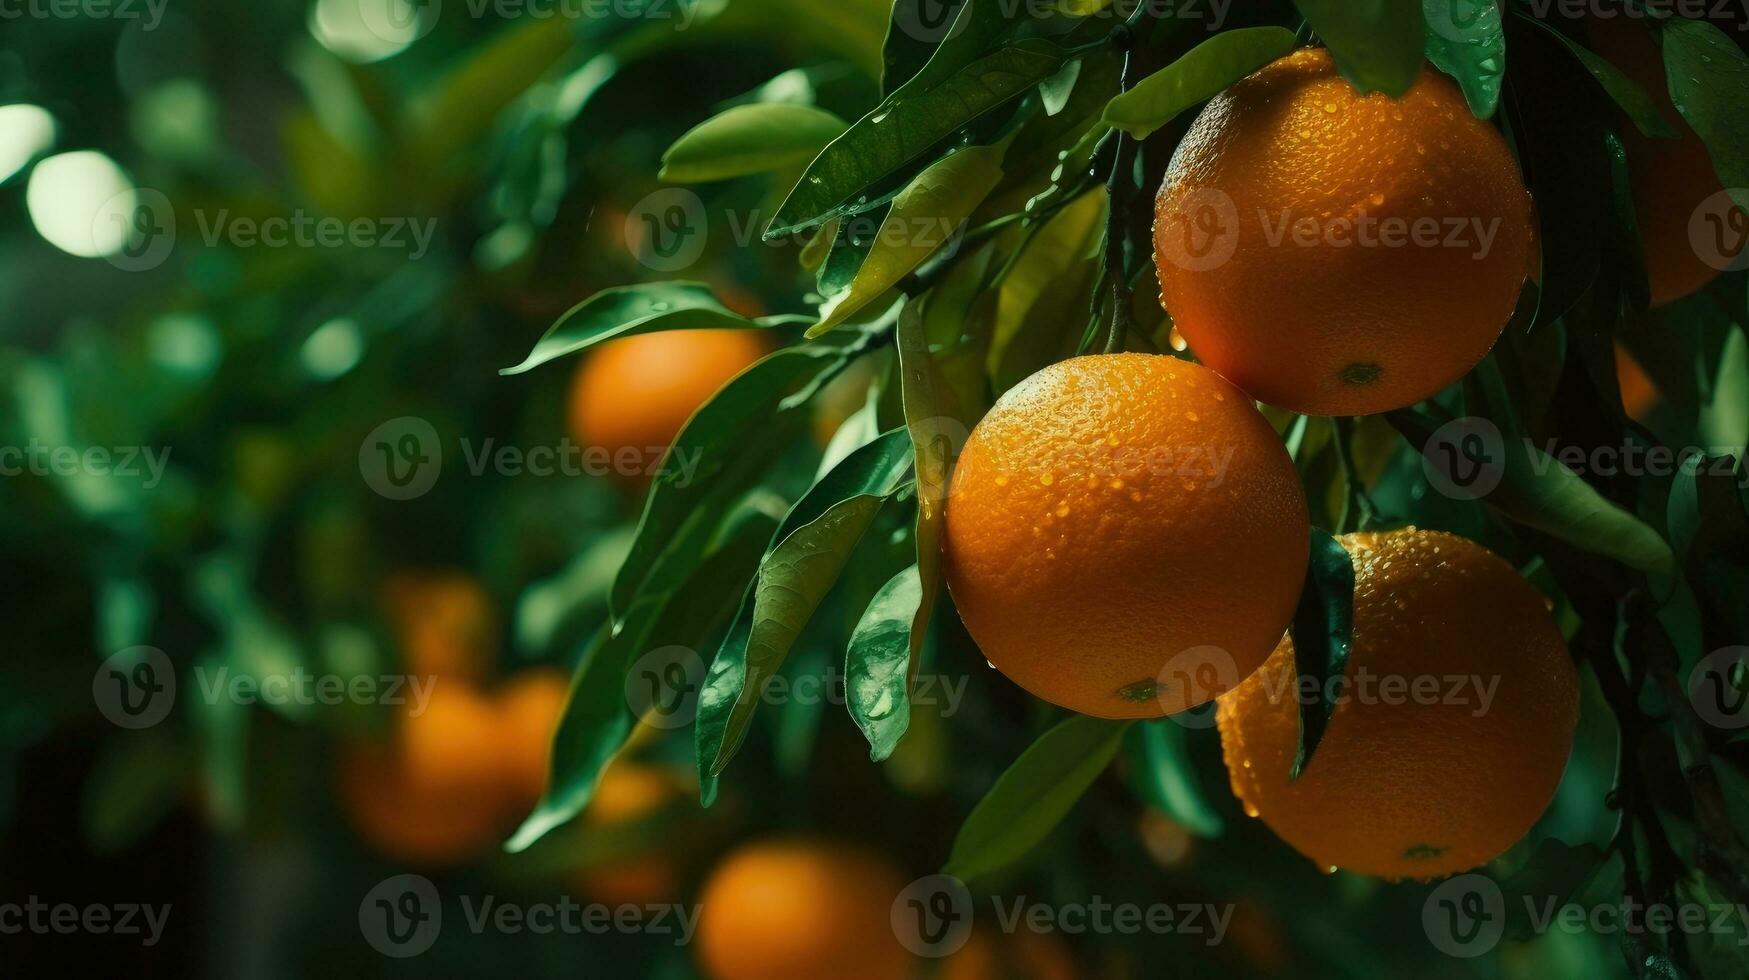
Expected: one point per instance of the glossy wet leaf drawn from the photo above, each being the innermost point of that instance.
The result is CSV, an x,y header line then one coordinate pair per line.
x,y
1539,492
804,560
1196,77
626,311
937,429
847,176
1376,44
1034,795
877,665
1709,85
929,216
750,139
1323,635
1466,39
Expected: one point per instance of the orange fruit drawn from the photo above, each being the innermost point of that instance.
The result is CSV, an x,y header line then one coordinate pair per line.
x,y
1125,535
434,794
1021,955
1459,745
1670,178
529,707
631,397
1340,254
445,623
801,910
628,794
1638,393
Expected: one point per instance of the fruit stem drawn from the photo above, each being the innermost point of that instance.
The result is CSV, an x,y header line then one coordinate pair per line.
x,y
1117,193
1359,513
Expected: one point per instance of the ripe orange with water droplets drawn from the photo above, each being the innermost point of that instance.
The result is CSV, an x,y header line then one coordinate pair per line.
x,y
1407,784
1125,535
1340,254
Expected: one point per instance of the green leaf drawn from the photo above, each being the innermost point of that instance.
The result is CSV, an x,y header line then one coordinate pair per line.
x,y
930,214
1323,635
1537,491
1047,288
922,43
598,715
911,123
876,668
750,139
1377,44
1196,77
626,311
806,556
1034,795
1626,92
1466,39
1160,765
1709,84
728,443
135,782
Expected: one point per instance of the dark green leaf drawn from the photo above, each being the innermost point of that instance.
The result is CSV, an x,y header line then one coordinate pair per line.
x,y
1626,92
1537,491
598,715
1709,84
1467,40
1161,767
1323,635
806,556
1377,44
1034,795
936,427
876,668
902,130
625,311
1550,879
750,139
728,443
1196,77
927,217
